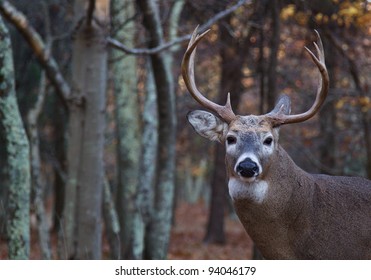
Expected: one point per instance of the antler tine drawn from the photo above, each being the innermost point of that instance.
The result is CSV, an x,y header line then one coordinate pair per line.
x,y
225,112
322,91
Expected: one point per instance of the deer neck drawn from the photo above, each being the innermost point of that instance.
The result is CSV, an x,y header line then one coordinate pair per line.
x,y
265,207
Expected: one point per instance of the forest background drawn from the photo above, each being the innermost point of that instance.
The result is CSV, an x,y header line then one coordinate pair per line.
x,y
97,160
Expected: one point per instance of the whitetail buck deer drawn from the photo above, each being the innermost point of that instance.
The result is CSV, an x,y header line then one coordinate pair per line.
x,y
289,213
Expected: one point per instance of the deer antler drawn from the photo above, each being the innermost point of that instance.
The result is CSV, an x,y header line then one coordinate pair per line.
x,y
225,112
322,90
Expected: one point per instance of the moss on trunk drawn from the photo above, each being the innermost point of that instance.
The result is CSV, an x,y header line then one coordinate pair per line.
x,y
15,176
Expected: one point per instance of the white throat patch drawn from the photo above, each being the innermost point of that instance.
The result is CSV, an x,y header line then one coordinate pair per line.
x,y
255,191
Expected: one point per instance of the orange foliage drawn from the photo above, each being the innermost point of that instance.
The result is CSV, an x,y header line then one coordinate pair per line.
x,y
346,13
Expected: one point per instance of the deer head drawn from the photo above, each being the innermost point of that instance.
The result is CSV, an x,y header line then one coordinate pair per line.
x,y
250,141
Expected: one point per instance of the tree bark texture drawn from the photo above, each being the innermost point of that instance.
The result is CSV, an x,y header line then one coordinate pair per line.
x,y
148,163
111,221
128,134
37,185
273,56
91,75
15,173
161,220
59,116
84,189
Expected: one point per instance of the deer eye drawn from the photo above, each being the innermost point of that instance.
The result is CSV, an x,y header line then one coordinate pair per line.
x,y
268,141
231,140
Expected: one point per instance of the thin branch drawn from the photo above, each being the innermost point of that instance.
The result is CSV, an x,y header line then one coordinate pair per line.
x,y
119,46
49,64
34,113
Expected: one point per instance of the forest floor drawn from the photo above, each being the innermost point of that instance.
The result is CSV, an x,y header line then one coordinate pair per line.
x,y
190,228
186,238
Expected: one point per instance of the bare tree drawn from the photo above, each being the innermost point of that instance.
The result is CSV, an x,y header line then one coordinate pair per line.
x,y
128,131
89,75
15,173
161,220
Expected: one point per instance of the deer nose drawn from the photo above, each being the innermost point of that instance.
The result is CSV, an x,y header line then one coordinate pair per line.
x,y
247,168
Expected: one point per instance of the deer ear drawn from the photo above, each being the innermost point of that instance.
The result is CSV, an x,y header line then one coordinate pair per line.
x,y
283,106
207,125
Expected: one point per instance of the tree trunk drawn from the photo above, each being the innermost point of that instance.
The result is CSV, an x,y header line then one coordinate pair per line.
x,y
173,24
37,186
262,74
149,142
59,161
215,233
84,189
111,221
128,133
74,139
260,17
15,175
161,220
327,115
90,53
274,46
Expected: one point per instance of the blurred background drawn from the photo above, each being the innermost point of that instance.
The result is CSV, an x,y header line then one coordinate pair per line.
x,y
101,163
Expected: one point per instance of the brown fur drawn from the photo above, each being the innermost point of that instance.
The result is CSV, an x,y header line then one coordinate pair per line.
x,y
309,216
289,213
301,215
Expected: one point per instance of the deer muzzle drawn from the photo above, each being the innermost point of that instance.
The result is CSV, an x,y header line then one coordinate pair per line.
x,y
247,168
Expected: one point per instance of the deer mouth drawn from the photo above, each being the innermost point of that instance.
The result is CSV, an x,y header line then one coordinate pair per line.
x,y
249,180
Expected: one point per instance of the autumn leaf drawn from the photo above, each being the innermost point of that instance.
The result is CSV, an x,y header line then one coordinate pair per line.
x,y
288,12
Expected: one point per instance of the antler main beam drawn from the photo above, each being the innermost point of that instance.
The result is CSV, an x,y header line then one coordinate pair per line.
x,y
225,112
322,90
